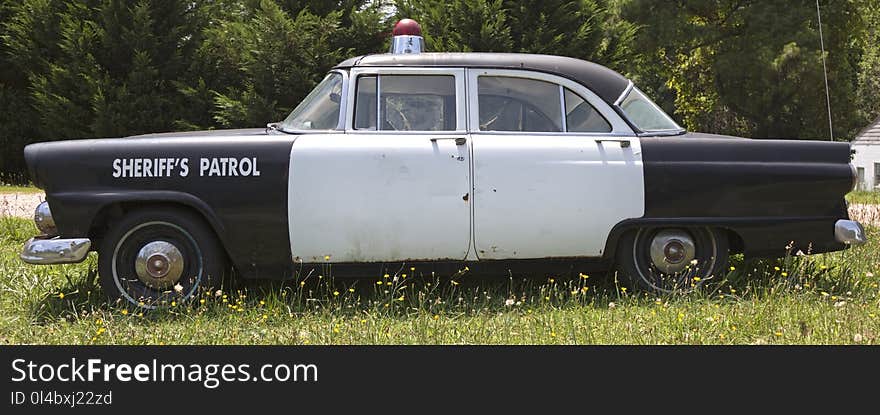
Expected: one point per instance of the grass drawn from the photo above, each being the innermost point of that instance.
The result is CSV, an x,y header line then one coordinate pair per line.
x,y
822,299
864,197
8,188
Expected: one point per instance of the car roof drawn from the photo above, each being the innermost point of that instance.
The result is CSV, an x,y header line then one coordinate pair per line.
x,y
606,83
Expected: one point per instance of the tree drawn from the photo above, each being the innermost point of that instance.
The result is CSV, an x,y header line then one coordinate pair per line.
x,y
586,29
261,61
750,67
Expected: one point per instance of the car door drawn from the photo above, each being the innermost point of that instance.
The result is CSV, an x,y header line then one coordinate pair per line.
x,y
554,167
395,185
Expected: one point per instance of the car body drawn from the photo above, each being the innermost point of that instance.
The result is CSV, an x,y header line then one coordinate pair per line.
x,y
493,161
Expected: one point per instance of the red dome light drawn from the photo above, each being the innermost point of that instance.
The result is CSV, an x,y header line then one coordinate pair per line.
x,y
407,27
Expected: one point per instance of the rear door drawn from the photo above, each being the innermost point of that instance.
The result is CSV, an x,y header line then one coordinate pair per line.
x,y
395,186
554,167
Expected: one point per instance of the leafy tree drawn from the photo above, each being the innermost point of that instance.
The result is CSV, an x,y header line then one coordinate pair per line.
x,y
868,91
750,67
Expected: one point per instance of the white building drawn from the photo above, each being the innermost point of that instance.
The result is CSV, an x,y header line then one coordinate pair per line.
x,y
867,157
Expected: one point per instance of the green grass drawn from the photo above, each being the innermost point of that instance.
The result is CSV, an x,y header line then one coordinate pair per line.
x,y
822,299
871,198
8,188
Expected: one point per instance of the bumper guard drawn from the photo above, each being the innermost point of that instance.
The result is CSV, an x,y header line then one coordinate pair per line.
x,y
43,251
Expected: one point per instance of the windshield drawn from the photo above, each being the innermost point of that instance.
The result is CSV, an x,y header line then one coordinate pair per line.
x,y
646,115
320,109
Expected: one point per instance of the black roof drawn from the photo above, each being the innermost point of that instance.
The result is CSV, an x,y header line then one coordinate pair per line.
x,y
606,83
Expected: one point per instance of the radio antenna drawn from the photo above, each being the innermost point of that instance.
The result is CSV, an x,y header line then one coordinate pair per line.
x,y
825,72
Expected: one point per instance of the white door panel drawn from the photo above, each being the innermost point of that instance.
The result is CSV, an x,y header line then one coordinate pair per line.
x,y
379,197
538,196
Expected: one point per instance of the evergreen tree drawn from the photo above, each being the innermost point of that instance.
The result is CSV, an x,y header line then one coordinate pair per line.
x,y
266,60
586,29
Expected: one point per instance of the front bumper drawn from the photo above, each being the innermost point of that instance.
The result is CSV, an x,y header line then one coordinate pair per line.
x,y
849,232
44,251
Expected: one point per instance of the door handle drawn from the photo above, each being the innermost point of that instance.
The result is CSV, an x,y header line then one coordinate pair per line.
x,y
624,142
459,141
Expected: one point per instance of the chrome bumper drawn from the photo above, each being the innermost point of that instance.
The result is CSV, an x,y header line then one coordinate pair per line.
x,y
849,232
42,251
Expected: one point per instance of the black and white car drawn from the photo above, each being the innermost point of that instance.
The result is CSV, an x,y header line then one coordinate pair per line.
x,y
494,161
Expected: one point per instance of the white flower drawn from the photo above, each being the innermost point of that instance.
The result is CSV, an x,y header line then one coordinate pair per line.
x,y
509,302
218,293
178,287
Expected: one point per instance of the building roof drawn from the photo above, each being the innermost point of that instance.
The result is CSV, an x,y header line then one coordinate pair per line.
x,y
870,134
606,83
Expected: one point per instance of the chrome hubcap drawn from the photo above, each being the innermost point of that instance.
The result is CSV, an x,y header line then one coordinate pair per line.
x,y
672,250
159,265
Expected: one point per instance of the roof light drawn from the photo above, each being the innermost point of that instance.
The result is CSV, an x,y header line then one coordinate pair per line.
x,y
407,27
407,37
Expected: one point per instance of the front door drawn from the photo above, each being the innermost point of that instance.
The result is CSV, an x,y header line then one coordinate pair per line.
x,y
396,185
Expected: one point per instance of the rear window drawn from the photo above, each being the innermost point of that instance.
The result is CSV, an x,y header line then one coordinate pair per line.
x,y
532,105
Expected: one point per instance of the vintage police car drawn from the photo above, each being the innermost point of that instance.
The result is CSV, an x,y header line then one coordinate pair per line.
x,y
494,161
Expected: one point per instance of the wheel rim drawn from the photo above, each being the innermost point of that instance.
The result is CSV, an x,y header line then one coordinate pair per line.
x,y
672,250
159,264
177,276
674,260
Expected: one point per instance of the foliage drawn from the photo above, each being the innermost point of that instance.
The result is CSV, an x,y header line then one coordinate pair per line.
x,y
95,68
822,299
753,68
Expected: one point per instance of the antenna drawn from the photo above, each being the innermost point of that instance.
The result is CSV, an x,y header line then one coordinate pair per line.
x,y
825,71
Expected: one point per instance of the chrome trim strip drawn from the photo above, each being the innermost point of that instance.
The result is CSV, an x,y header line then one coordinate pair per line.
x,y
562,108
849,232
623,94
663,133
41,251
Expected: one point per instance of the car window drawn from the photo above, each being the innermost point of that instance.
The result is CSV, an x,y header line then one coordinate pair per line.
x,y
646,115
518,104
320,109
581,117
405,103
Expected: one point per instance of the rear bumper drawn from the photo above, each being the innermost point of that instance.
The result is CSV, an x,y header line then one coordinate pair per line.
x,y
849,232
44,251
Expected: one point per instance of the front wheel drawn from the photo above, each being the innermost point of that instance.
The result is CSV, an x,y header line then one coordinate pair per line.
x,y
672,260
156,257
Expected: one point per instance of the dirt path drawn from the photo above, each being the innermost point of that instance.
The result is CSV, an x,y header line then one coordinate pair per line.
x,y
19,204
866,214
23,204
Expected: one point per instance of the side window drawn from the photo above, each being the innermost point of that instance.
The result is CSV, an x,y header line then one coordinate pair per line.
x,y
581,117
405,103
522,104
518,104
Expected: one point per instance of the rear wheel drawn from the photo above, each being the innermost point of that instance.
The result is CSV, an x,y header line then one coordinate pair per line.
x,y
667,260
155,257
